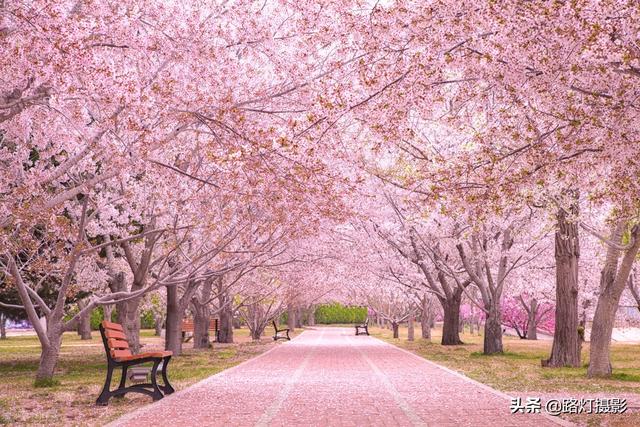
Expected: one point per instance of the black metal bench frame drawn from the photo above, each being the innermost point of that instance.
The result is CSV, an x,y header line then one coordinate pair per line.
x,y
152,389
364,326
277,337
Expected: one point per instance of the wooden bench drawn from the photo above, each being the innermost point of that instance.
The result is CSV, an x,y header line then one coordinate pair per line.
x,y
277,337
364,326
188,327
118,355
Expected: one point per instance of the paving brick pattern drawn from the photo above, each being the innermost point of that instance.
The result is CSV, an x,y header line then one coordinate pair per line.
x,y
329,377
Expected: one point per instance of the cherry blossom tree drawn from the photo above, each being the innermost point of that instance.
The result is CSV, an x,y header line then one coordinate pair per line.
x,y
530,113
185,146
526,318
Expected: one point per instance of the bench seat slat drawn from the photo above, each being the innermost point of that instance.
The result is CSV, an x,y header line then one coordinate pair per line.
x,y
150,354
120,354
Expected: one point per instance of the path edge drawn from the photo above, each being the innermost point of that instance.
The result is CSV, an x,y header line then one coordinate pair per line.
x,y
486,387
129,415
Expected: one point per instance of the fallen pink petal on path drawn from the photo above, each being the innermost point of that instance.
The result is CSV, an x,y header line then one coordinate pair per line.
x,y
329,377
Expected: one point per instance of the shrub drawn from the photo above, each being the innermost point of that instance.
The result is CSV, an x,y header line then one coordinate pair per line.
x,y
147,321
96,317
98,314
338,313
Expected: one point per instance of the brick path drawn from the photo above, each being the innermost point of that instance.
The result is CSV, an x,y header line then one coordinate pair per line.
x,y
329,377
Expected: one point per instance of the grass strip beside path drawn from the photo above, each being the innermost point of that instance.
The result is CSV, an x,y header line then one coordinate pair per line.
x,y
80,376
518,371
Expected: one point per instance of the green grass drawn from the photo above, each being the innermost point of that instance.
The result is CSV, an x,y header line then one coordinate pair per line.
x,y
518,371
519,367
506,354
46,383
69,399
622,376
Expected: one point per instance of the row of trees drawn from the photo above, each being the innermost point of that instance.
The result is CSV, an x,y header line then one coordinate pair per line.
x,y
201,151
141,155
499,125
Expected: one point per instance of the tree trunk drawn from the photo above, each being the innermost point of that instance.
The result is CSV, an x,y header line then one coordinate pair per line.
x,y
612,284
129,318
395,327
3,326
173,324
451,306
116,283
202,314
426,319
201,321
291,318
410,333
107,311
532,322
84,323
256,333
257,319
84,328
299,317
157,322
226,325
311,318
565,350
49,357
493,330
225,314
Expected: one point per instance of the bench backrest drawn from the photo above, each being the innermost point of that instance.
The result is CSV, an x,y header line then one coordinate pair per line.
x,y
114,340
188,325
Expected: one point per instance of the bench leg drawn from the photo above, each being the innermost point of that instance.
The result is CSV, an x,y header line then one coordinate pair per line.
x,y
167,385
123,381
103,399
288,338
366,330
157,394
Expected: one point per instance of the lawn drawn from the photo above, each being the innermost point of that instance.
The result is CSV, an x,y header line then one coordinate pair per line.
x,y
81,372
518,371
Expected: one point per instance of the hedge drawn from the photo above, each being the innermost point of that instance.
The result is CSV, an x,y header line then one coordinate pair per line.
x,y
338,313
